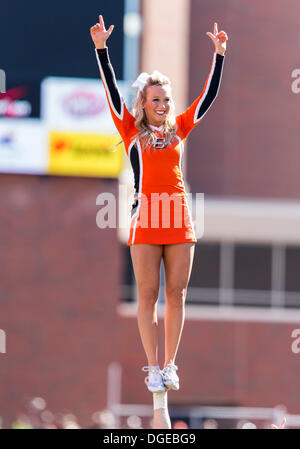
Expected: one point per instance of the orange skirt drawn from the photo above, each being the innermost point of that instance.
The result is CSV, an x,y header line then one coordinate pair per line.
x,y
161,219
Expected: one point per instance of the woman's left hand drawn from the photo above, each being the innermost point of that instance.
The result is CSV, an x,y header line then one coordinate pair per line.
x,y
219,39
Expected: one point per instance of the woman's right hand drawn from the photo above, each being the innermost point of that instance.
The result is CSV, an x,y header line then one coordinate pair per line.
x,y
99,33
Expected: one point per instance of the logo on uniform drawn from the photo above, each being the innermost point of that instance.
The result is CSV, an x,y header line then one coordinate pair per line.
x,y
160,143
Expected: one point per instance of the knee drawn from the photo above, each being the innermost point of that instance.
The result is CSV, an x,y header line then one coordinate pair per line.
x,y
175,296
147,296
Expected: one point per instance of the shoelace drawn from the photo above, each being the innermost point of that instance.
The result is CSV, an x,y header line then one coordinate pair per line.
x,y
168,370
151,369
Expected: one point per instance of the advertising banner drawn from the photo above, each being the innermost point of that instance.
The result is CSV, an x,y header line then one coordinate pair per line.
x,y
23,146
77,105
78,154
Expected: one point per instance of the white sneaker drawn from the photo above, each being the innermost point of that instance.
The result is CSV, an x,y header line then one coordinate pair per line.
x,y
170,378
155,382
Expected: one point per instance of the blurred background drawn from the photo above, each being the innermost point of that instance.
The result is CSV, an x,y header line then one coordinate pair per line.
x,y
70,351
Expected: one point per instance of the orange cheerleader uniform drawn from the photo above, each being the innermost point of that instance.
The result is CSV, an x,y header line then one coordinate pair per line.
x,y
160,213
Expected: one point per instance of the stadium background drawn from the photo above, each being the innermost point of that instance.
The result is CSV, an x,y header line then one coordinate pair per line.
x,y
67,293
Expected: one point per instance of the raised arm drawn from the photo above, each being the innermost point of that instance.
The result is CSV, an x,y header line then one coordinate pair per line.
x,y
121,116
191,117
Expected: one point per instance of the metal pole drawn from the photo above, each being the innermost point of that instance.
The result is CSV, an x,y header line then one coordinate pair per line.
x,y
132,31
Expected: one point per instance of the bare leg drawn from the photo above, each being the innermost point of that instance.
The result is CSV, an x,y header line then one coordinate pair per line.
x,y
146,264
178,260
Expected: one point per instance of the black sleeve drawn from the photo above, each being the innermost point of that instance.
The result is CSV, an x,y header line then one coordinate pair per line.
x,y
211,86
109,80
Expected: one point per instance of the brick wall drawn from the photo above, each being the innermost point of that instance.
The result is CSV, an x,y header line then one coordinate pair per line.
x,y
247,144
220,363
59,288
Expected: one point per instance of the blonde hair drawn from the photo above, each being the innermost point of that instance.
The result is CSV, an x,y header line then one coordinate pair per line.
x,y
141,122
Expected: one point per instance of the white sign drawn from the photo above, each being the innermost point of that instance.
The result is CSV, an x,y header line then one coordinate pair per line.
x,y
76,104
23,147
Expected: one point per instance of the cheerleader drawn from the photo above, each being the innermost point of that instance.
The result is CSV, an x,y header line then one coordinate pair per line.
x,y
161,226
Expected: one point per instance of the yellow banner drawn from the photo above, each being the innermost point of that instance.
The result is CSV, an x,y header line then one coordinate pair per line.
x,y
85,155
